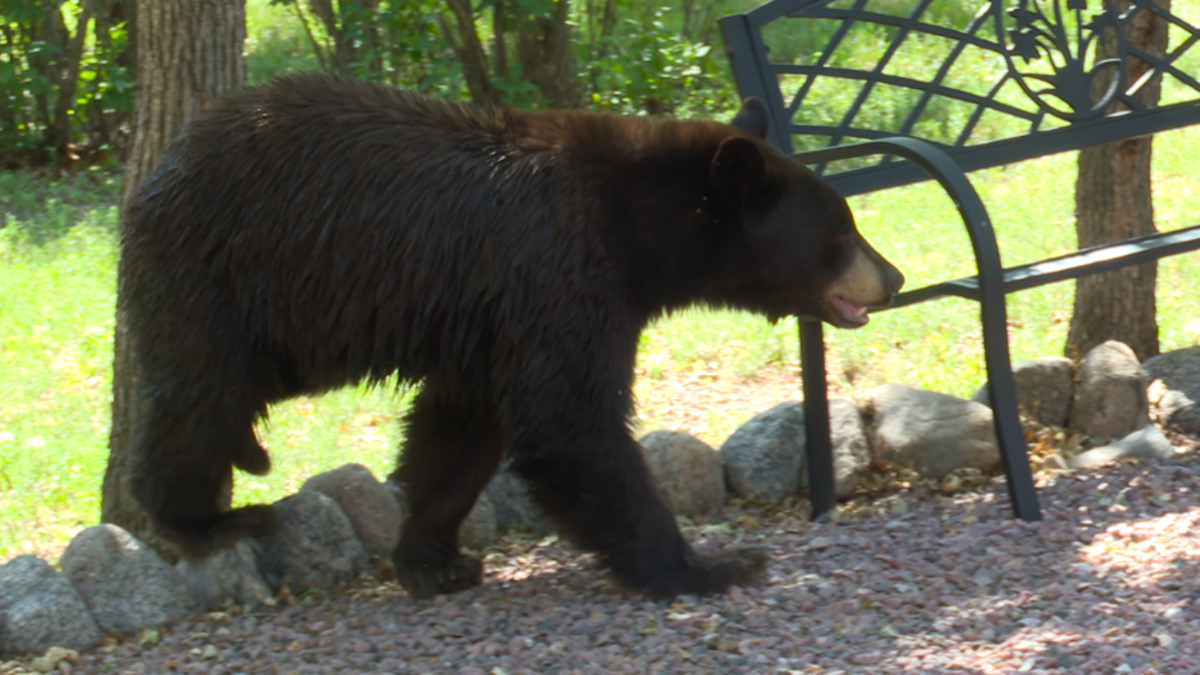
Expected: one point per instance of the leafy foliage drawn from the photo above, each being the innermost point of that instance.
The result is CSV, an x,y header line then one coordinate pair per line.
x,y
65,91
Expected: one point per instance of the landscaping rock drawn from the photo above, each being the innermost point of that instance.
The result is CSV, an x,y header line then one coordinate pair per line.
x,y
851,450
240,574
1145,443
315,545
39,609
478,529
1110,398
1175,389
370,506
763,457
124,583
1044,389
931,433
688,473
513,506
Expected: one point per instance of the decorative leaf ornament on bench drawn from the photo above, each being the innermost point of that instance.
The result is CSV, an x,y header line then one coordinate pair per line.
x,y
1064,43
876,94
1010,81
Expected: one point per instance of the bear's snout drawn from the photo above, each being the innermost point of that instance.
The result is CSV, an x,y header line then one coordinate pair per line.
x,y
868,283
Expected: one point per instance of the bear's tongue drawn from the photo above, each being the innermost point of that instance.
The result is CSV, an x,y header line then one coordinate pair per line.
x,y
855,315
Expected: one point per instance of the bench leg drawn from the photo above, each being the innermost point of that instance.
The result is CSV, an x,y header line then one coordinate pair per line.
x,y
818,445
1002,390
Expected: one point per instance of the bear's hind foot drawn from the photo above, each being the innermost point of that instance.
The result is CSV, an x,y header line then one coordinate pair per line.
x,y
711,574
427,579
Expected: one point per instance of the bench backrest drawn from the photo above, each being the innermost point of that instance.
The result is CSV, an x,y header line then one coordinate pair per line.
x,y
991,84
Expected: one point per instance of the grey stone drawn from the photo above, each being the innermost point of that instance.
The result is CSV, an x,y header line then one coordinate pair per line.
x,y
931,433
1175,389
851,450
370,506
478,529
1044,389
1110,397
315,545
688,473
513,506
40,609
1145,443
241,574
763,457
124,583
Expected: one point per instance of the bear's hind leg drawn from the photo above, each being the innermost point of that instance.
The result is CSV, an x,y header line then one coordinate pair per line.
x,y
595,484
452,448
185,449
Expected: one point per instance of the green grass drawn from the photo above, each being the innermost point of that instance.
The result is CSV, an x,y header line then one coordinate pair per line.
x,y
57,272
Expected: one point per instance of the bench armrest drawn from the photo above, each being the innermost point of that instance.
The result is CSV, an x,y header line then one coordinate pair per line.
x,y
953,179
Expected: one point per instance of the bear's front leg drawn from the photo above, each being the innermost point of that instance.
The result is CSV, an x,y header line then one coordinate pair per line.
x,y
597,486
452,448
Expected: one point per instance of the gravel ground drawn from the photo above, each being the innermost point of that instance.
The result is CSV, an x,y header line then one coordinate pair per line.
x,y
911,580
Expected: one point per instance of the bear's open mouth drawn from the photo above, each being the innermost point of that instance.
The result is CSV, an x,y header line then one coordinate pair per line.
x,y
854,315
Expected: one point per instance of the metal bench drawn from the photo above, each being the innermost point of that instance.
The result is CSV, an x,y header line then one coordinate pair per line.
x,y
1040,101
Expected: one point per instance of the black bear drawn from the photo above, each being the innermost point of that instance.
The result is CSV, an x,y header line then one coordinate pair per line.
x,y
315,232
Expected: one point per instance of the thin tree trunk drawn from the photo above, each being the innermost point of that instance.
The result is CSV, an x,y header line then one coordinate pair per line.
x,y
466,45
188,54
1113,202
499,51
58,136
544,50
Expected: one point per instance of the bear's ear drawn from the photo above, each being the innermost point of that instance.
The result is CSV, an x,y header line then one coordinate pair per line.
x,y
752,118
737,169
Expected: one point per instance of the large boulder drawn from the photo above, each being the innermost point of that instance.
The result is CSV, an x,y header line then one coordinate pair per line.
x,y
1044,389
40,609
368,503
124,583
765,458
689,474
1175,389
315,544
513,506
240,573
1110,397
931,433
851,449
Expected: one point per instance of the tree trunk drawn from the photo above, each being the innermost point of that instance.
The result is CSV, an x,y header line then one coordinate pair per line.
x,y
544,50
188,54
1113,202
58,135
469,50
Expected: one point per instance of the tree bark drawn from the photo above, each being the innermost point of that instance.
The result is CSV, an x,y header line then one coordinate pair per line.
x,y
544,50
188,54
466,45
58,135
1113,202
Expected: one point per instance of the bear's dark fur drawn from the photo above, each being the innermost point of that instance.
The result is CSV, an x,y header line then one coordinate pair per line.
x,y
316,232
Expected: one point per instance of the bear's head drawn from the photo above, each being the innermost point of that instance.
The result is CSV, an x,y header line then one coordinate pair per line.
x,y
802,253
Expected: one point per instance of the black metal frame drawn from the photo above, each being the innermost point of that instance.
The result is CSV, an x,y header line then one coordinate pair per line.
x,y
1017,32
